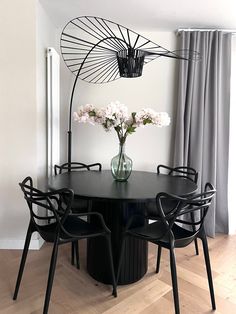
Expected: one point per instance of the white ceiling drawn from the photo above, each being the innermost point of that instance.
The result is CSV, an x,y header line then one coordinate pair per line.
x,y
148,14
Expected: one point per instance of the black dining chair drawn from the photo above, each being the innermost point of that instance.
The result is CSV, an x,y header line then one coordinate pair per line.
x,y
63,227
76,166
78,205
180,171
171,231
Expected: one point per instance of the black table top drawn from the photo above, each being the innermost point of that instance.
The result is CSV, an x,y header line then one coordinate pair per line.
x,y
140,186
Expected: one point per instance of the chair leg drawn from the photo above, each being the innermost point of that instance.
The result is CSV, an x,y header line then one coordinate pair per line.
x,y
208,268
158,259
196,247
174,280
194,229
76,248
110,257
121,257
72,253
23,259
51,276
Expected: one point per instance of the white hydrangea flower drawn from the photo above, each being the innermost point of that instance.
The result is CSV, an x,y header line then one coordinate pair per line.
x,y
115,115
162,119
116,112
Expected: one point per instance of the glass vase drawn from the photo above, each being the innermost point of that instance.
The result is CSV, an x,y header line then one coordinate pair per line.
x,y
121,165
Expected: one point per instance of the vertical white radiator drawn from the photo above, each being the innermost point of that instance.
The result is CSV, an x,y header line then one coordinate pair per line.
x,y
53,110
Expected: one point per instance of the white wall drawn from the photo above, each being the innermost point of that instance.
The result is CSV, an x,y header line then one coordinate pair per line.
x,y
22,112
18,115
156,89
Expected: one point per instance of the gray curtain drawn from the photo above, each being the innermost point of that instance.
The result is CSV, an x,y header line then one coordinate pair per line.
x,y
202,117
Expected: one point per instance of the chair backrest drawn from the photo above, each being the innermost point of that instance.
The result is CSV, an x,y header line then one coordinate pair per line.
x,y
197,204
74,166
46,202
181,171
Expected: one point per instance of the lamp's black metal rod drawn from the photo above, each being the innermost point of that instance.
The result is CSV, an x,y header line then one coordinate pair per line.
x,y
69,133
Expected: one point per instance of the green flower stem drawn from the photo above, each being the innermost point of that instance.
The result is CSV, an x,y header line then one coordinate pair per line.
x,y
120,154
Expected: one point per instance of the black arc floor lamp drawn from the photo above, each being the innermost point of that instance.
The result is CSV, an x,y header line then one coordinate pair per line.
x,y
97,50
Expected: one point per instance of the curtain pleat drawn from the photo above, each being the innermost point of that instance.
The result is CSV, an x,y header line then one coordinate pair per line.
x,y
202,117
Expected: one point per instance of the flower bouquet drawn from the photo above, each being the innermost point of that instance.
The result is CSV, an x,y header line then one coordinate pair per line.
x,y
115,116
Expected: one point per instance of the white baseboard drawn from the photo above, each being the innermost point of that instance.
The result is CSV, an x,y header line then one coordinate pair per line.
x,y
12,244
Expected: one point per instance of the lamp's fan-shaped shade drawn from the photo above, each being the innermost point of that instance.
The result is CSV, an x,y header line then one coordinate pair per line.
x,y
99,51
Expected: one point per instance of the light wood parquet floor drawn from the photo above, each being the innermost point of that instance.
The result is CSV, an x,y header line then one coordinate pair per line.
x,y
74,291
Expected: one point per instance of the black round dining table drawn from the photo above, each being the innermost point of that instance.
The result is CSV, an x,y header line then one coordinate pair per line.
x,y
117,202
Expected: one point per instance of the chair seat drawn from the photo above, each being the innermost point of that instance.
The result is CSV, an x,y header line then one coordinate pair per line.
x,y
157,230
79,227
74,225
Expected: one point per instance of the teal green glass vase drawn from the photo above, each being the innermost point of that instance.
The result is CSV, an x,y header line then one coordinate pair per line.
x,y
121,165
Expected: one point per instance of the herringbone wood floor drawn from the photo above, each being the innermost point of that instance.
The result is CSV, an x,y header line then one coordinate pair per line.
x,y
76,292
